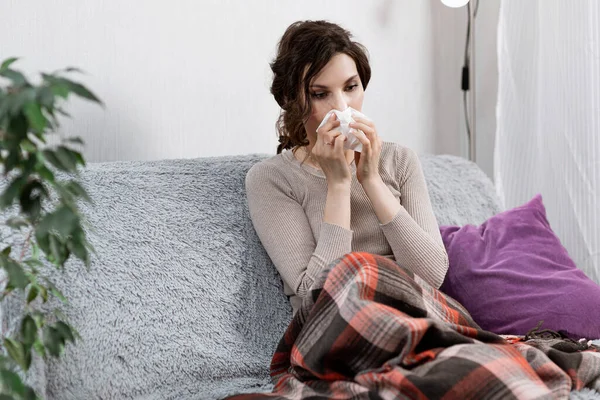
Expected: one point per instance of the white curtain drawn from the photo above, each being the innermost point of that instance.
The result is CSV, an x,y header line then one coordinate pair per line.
x,y
548,132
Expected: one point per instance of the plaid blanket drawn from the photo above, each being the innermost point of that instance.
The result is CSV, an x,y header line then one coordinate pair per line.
x,y
371,329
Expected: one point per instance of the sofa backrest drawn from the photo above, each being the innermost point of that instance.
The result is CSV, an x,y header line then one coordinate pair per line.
x,y
182,295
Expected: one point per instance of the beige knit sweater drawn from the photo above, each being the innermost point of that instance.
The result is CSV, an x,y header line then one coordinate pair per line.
x,y
286,200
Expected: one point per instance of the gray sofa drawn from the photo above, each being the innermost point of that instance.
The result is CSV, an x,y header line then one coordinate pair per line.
x,y
182,302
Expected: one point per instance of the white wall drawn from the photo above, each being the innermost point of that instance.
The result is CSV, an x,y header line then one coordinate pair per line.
x,y
190,78
448,46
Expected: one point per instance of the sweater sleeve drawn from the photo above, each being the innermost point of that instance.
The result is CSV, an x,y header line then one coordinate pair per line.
x,y
284,230
414,234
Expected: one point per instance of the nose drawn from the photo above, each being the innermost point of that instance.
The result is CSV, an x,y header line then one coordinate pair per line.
x,y
340,102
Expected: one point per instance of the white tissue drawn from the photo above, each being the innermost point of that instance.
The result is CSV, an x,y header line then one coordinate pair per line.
x,y
345,118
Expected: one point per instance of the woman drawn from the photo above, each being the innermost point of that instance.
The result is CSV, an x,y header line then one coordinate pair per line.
x,y
316,201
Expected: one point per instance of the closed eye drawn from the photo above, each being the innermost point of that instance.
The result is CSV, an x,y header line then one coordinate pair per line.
x,y
322,95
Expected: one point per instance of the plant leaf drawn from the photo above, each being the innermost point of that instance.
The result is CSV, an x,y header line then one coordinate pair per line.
x,y
28,146
56,249
29,330
32,204
82,91
45,173
33,263
53,159
53,341
13,381
42,240
60,90
78,157
17,78
77,140
62,86
45,97
74,69
63,112
44,293
16,352
22,97
12,191
64,221
65,331
4,105
32,295
30,394
78,248
27,352
16,274
59,314
17,126
39,318
59,294
38,346
78,190
34,115
66,158
35,251
6,63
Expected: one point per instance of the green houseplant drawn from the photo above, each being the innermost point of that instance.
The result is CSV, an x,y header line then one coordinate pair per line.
x,y
44,211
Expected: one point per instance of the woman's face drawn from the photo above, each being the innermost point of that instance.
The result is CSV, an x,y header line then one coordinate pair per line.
x,y
337,86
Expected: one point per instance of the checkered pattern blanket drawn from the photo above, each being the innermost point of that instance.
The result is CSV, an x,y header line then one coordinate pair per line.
x,y
371,329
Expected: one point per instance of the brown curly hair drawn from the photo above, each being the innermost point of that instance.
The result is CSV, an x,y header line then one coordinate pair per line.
x,y
307,46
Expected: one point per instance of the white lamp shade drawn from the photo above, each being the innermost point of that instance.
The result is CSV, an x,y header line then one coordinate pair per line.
x,y
455,3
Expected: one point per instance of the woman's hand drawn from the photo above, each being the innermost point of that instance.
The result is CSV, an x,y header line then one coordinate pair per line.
x,y
367,162
329,152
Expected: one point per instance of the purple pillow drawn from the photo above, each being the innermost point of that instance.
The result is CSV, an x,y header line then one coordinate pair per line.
x,y
512,272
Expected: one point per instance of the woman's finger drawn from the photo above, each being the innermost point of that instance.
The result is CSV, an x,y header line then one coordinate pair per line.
x,y
363,139
326,142
331,123
364,121
328,137
338,144
368,130
329,131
